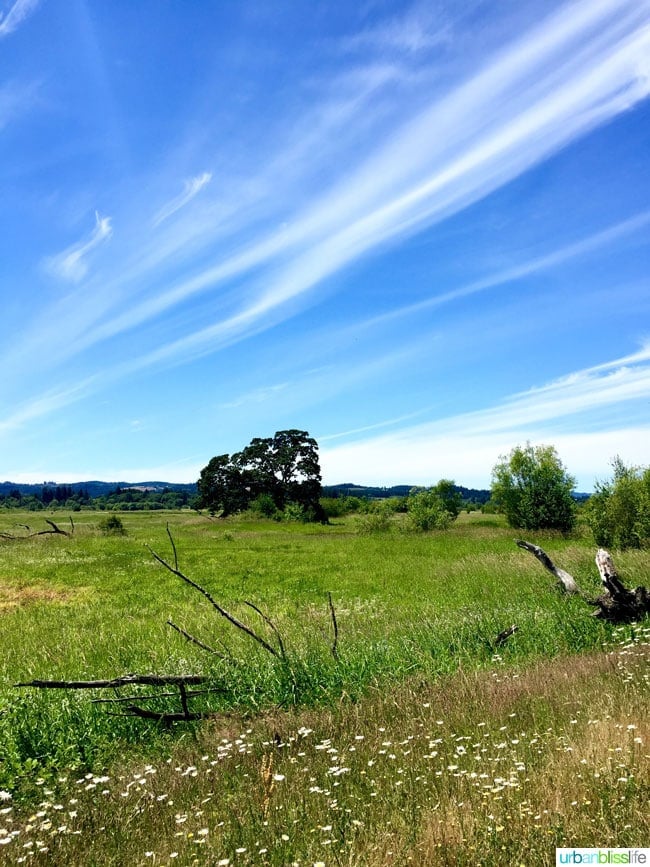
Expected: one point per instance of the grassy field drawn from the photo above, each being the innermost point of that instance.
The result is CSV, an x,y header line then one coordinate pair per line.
x,y
421,743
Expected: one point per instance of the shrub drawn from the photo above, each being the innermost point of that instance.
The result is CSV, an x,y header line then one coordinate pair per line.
x,y
378,521
264,505
534,489
112,526
427,510
618,513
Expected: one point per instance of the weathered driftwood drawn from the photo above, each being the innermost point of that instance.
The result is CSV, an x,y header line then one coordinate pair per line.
x,y
616,604
565,581
502,637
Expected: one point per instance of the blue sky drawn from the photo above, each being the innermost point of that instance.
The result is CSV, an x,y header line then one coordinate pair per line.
x,y
418,231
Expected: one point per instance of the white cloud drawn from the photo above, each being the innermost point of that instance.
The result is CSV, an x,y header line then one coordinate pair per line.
x,y
18,12
191,189
70,264
256,396
418,30
466,446
578,69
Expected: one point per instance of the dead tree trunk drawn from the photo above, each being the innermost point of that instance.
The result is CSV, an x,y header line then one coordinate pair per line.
x,y
616,604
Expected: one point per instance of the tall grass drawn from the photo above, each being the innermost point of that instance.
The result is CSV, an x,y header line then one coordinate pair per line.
x,y
487,768
417,616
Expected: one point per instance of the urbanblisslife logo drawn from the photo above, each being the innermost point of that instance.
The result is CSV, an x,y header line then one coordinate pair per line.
x,y
602,856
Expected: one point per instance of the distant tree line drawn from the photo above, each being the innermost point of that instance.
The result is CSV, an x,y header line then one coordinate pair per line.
x,y
279,477
72,499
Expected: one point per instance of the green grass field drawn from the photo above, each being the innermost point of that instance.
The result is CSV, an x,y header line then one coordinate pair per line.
x,y
420,743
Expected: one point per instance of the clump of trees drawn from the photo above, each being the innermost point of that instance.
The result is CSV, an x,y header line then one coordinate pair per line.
x,y
278,475
534,490
618,513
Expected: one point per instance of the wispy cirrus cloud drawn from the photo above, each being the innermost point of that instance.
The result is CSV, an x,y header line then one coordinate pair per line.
x,y
578,69
598,241
191,188
18,12
469,443
70,264
420,28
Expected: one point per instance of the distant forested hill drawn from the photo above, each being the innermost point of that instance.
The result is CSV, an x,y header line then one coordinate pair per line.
x,y
348,489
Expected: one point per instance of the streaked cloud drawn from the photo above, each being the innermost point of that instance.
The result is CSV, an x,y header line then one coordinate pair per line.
x,y
256,396
420,28
191,188
71,263
597,242
14,17
567,411
578,69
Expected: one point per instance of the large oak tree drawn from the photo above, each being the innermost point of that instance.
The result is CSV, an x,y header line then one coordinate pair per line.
x,y
284,467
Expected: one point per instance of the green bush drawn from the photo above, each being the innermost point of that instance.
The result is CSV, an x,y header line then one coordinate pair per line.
x,y
427,510
112,526
618,513
378,521
264,505
534,489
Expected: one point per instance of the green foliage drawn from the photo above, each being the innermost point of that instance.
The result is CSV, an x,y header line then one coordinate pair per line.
x,y
112,526
284,469
264,505
427,510
619,512
337,507
534,489
376,521
451,497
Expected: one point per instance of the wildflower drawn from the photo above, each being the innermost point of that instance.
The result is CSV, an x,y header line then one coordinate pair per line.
x,y
5,796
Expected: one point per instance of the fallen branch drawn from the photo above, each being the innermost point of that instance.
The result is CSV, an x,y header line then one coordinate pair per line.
x,y
54,531
196,641
617,604
271,625
125,680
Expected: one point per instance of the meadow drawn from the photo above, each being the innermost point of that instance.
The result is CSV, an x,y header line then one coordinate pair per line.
x,y
420,740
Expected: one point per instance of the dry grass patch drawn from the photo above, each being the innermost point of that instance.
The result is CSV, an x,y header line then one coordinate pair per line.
x,y
12,597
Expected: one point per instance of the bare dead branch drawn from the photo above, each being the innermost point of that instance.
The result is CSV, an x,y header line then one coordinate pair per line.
x,y
335,626
502,637
171,539
122,698
617,604
222,611
55,529
125,680
196,641
272,626
133,710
